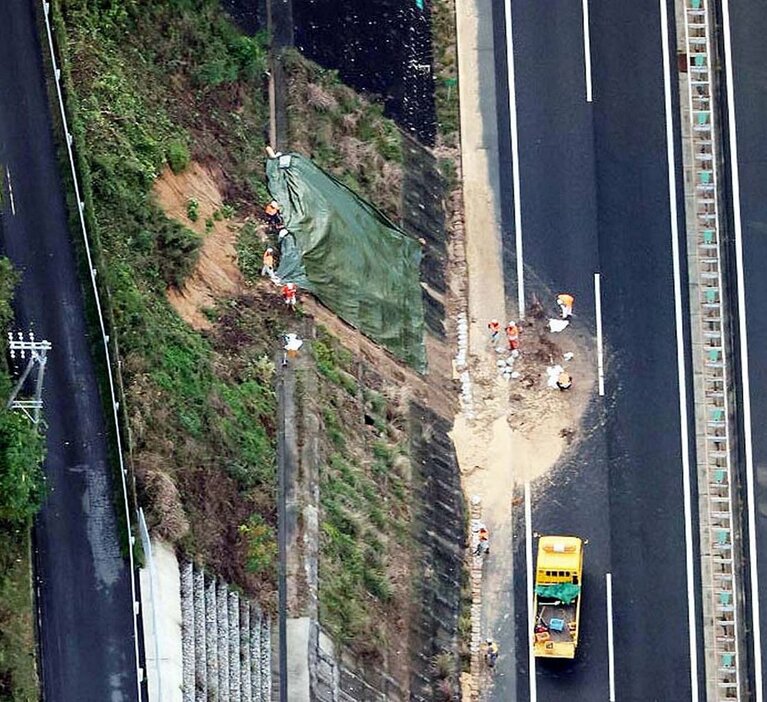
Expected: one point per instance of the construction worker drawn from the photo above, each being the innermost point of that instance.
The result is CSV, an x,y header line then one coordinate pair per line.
x,y
564,381
512,335
495,330
289,291
491,652
483,545
272,212
268,261
565,302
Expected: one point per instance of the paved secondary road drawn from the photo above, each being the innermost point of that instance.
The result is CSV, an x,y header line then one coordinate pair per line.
x,y
747,162
87,642
594,194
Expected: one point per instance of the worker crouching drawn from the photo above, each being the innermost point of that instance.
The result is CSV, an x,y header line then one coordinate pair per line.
x,y
289,293
564,381
512,337
565,303
273,214
494,327
267,269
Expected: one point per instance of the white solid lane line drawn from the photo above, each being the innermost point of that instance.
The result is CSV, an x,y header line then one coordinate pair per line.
x,y
600,349
10,190
744,374
515,162
530,613
681,369
610,646
587,49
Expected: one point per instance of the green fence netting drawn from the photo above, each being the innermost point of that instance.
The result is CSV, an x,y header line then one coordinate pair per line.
x,y
350,256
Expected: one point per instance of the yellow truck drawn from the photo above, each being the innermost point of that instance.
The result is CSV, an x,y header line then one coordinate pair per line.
x,y
557,600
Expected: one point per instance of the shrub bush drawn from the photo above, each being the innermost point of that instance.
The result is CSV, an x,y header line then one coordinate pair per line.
x,y
177,155
179,249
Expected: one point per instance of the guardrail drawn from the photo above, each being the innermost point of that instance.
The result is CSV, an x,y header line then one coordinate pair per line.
x,y
718,537
104,336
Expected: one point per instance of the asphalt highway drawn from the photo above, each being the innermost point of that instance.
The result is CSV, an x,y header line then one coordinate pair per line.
x,y
747,163
594,198
84,595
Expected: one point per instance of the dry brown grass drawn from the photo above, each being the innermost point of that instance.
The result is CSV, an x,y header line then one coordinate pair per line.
x,y
344,133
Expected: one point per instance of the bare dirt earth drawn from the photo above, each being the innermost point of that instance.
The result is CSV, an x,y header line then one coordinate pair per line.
x,y
216,274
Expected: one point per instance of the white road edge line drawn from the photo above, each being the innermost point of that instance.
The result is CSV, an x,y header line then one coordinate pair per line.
x,y
587,49
530,613
600,348
610,642
10,191
743,333
681,370
515,162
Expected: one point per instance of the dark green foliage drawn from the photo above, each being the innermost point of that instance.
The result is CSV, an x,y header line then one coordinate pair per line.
x,y
177,155
261,543
22,445
18,678
249,252
144,82
178,249
22,448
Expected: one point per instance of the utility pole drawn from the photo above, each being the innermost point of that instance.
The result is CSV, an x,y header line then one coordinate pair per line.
x,y
35,353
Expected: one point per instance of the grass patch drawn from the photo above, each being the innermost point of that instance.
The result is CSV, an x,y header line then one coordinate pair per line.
x,y
364,510
21,489
18,674
445,69
344,133
151,86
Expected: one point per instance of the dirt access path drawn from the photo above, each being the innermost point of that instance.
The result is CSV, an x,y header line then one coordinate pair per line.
x,y
520,427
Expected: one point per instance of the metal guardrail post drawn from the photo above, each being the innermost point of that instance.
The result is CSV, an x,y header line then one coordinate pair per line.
x,y
718,536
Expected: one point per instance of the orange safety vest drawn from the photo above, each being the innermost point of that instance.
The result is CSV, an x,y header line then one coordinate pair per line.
x,y
289,290
271,210
494,327
269,259
512,332
566,300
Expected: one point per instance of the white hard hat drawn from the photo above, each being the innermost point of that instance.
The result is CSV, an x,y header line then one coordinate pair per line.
x,y
512,323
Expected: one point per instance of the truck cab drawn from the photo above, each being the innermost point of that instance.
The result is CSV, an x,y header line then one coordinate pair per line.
x,y
557,600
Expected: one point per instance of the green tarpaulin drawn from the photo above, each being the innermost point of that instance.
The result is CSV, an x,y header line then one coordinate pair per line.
x,y
564,592
350,256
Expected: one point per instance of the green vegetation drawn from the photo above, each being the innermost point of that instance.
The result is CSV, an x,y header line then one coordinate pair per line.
x,y
18,674
22,448
177,155
343,133
22,445
192,210
21,489
365,541
151,86
445,70
261,545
